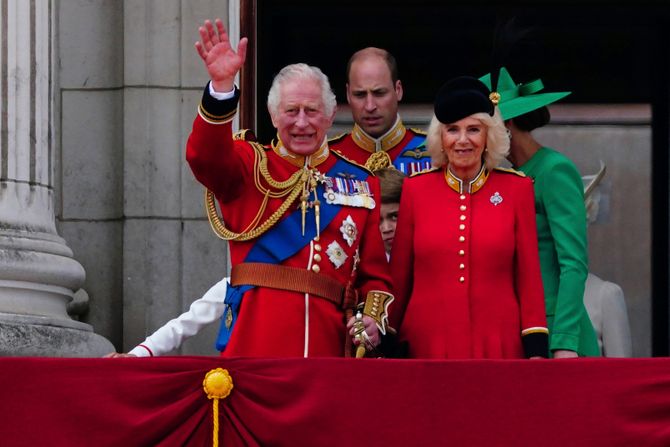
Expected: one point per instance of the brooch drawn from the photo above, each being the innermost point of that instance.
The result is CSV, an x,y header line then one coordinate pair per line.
x,y
496,199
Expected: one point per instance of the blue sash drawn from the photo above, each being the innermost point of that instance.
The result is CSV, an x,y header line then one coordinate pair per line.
x,y
282,241
414,157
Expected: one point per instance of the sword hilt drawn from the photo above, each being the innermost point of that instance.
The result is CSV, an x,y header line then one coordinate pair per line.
x,y
359,333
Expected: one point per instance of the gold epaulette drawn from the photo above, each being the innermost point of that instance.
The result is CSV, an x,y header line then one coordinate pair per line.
x,y
427,171
337,138
418,131
245,135
510,171
339,154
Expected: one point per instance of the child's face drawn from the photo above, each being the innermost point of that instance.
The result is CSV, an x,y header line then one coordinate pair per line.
x,y
387,222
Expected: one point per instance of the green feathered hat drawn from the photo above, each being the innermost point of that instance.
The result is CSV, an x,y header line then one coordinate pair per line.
x,y
517,99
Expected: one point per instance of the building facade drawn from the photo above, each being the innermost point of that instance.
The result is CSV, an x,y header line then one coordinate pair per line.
x,y
112,188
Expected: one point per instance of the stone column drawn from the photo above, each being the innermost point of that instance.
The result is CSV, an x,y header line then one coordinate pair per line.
x,y
38,275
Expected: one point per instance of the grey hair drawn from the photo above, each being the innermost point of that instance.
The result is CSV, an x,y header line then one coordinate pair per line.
x,y
497,140
301,71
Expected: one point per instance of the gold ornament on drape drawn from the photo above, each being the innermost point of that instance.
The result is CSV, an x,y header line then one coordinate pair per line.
x,y
217,385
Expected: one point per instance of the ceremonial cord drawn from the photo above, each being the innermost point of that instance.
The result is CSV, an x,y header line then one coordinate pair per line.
x,y
293,187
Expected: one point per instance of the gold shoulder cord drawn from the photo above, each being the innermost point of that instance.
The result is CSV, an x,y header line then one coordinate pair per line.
x,y
378,160
291,187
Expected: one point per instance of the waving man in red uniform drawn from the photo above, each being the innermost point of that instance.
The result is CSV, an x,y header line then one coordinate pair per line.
x,y
299,218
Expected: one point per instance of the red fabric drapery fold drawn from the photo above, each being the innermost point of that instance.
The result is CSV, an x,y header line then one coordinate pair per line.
x,y
160,402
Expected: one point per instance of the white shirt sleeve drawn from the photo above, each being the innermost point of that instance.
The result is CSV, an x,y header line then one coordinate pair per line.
x,y
170,336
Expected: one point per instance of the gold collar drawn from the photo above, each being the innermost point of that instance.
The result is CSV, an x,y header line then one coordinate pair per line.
x,y
472,187
313,160
384,143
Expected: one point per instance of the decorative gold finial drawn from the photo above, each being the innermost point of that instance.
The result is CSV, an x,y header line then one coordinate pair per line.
x,y
217,385
495,98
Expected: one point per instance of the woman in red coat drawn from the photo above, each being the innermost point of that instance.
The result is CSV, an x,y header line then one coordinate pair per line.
x,y
465,260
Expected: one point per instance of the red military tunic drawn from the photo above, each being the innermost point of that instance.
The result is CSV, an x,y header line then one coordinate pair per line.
x,y
272,322
465,266
405,147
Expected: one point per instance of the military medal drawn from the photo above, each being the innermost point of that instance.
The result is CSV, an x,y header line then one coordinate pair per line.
x,y
346,190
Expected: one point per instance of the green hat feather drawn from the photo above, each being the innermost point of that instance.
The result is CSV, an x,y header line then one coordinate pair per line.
x,y
517,99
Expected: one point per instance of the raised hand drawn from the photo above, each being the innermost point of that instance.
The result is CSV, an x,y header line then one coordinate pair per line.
x,y
221,60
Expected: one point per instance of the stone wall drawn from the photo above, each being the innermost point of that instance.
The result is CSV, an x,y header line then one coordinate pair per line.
x,y
130,82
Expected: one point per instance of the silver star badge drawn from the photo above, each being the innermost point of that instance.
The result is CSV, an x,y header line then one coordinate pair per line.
x,y
349,230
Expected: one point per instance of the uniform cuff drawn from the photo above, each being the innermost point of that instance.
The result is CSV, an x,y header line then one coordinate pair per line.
x,y
141,350
376,306
536,344
218,111
392,347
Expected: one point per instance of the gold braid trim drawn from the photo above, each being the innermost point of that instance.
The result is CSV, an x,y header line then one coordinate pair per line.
x,y
378,160
293,187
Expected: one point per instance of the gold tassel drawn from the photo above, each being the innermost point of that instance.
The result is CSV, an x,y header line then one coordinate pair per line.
x,y
217,385
303,207
307,175
317,216
317,206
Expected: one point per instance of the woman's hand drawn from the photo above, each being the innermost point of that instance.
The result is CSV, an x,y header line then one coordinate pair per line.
x,y
565,354
116,355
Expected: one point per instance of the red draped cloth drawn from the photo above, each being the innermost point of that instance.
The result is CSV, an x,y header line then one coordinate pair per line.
x,y
131,402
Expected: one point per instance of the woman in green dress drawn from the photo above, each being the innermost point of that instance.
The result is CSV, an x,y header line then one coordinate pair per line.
x,y
560,212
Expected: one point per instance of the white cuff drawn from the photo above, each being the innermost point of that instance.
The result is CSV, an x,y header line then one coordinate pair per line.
x,y
219,95
141,351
